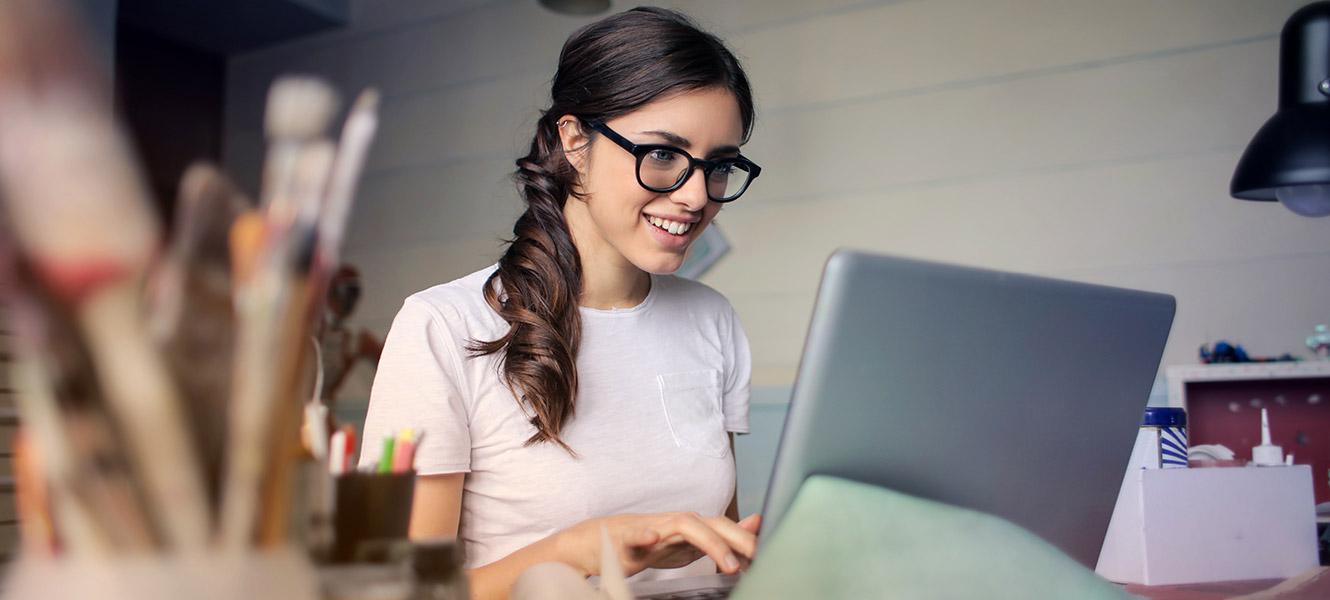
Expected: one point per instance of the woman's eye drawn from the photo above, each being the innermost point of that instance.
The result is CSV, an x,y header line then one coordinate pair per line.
x,y
662,156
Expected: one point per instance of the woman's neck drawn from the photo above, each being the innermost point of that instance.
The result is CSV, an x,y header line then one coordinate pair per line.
x,y
607,286
609,280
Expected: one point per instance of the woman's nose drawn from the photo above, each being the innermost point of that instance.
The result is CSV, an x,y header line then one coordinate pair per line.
x,y
693,193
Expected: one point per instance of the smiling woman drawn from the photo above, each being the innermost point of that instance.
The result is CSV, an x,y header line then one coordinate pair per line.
x,y
577,385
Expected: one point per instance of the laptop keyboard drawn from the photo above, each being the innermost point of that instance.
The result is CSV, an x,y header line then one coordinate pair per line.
x,y
707,594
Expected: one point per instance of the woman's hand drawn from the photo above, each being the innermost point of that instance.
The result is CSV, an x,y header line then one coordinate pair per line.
x,y
662,541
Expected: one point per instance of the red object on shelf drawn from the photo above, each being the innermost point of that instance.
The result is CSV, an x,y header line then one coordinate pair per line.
x,y
1229,413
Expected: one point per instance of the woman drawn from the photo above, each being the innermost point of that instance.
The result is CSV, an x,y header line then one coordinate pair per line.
x,y
577,385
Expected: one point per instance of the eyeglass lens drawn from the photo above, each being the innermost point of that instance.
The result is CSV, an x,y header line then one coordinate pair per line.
x,y
663,169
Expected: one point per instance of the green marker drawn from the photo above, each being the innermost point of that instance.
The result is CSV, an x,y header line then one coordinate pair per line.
x,y
386,459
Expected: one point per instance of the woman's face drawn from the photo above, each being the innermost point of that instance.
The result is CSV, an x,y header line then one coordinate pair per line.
x,y
619,220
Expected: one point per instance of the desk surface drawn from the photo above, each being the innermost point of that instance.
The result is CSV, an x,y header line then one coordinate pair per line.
x,y
1314,584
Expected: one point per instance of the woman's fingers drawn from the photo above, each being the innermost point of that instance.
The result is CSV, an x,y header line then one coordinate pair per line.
x,y
643,537
736,536
683,537
704,537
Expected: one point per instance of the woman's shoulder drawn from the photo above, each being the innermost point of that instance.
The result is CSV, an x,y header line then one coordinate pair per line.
x,y
695,294
460,299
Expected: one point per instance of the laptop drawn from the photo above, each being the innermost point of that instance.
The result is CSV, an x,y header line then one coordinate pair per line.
x,y
1014,395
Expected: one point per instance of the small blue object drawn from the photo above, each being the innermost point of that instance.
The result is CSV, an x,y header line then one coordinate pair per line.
x,y
1164,416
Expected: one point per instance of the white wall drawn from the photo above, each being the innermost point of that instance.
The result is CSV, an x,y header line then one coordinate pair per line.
x,y
1076,138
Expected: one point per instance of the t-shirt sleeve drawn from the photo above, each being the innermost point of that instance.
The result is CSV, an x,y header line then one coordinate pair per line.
x,y
738,377
419,385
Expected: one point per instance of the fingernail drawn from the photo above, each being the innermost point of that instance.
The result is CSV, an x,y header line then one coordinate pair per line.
x,y
731,563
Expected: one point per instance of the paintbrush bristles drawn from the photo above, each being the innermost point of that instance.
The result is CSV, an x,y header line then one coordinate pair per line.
x,y
357,133
309,180
299,108
367,102
63,191
247,234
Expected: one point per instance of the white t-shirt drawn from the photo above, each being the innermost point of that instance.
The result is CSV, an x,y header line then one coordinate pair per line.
x,y
659,385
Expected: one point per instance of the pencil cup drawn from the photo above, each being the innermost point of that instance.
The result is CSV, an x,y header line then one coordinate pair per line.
x,y
372,512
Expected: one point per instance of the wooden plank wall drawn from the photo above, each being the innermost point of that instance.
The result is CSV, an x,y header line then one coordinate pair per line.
x,y
1076,138
9,541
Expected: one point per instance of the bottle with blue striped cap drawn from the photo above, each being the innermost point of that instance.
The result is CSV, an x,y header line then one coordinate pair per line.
x,y
1163,437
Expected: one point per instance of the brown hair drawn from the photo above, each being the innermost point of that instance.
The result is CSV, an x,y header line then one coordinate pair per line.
x,y
606,69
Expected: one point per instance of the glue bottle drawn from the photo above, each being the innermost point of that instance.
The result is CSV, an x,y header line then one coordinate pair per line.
x,y
1267,454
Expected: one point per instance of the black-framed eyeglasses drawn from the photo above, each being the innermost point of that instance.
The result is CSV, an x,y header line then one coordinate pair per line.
x,y
663,168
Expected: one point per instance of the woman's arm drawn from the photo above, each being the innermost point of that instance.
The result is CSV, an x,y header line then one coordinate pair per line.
x,y
661,540
436,507
732,512
495,580
436,510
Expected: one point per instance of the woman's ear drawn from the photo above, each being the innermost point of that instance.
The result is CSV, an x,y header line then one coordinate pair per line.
x,y
574,141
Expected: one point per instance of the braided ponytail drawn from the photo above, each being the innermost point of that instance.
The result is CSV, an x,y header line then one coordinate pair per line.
x,y
541,277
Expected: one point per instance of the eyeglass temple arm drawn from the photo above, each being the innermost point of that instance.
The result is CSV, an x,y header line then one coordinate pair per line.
x,y
604,129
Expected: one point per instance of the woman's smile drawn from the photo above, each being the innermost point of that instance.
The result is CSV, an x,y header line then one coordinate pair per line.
x,y
671,234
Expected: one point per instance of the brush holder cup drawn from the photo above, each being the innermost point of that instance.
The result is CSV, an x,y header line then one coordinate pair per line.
x,y
371,514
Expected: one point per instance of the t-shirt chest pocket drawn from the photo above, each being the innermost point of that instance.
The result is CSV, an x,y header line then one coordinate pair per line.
x,y
691,401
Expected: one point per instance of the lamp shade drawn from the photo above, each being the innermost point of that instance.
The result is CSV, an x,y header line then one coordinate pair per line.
x,y
1289,159
577,7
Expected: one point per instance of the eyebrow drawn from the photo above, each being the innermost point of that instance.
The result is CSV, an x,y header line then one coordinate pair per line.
x,y
678,140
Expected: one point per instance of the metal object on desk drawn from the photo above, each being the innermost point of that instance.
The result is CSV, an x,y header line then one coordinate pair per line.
x,y
437,565
432,571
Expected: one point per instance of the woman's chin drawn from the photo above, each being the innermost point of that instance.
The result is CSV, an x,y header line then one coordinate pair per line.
x,y
659,264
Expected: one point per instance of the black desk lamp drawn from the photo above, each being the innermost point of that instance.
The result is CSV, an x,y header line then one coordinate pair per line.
x,y
1289,159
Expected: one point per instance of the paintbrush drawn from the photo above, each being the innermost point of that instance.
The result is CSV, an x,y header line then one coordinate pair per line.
x,y
310,183
271,301
329,220
67,174
321,218
191,316
357,134
88,477
41,46
95,274
297,115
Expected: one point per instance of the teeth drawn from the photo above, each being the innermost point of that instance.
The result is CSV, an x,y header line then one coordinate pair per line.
x,y
674,227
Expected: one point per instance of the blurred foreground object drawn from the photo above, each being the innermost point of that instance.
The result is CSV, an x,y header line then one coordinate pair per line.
x,y
159,380
558,581
86,237
845,539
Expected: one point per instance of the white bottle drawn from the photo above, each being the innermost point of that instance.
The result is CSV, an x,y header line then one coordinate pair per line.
x,y
1267,454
